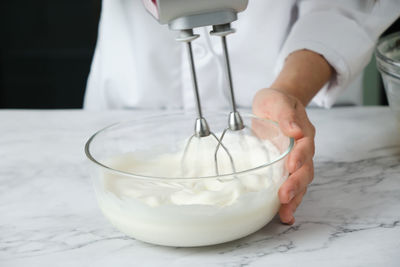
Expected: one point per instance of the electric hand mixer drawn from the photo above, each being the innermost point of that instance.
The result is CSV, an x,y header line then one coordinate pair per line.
x,y
184,16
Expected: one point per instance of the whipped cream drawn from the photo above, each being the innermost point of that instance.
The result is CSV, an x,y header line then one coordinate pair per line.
x,y
193,211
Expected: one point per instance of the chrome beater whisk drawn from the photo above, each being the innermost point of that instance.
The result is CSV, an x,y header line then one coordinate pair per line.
x,y
201,128
235,121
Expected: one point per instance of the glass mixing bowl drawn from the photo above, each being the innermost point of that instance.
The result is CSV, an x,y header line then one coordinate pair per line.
x,y
388,62
142,190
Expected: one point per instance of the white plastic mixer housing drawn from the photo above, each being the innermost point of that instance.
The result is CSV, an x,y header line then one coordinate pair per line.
x,y
189,14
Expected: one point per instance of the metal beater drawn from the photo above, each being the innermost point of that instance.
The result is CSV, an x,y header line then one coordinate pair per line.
x,y
201,128
235,121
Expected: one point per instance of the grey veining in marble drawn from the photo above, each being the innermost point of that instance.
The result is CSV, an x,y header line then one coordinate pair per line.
x,y
49,215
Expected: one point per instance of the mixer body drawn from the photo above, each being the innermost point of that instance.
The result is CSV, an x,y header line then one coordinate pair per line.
x,y
189,14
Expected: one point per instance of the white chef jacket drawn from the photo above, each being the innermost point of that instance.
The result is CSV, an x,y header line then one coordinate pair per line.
x,y
138,64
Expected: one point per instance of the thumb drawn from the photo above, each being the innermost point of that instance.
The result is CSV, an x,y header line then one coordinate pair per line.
x,y
279,107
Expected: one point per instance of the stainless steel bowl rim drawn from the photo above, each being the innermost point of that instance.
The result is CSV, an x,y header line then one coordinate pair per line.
x,y
137,176
386,64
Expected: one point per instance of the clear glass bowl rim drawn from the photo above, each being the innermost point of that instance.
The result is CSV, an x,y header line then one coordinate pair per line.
x,y
141,177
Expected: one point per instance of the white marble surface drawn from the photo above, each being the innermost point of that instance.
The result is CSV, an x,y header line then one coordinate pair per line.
x,y
49,215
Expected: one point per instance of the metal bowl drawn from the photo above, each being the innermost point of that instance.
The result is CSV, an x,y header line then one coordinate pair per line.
x,y
388,63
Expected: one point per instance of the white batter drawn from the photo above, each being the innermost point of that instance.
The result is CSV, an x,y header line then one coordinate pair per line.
x,y
193,212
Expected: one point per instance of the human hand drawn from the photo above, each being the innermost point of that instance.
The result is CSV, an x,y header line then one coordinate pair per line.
x,y
291,115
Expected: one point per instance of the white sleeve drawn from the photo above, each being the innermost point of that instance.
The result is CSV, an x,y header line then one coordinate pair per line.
x,y
344,32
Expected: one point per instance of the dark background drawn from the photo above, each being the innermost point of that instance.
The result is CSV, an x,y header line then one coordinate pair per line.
x,y
46,51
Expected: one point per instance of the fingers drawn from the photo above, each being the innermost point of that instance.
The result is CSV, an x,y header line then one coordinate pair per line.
x,y
296,183
287,211
295,122
290,113
303,151
293,189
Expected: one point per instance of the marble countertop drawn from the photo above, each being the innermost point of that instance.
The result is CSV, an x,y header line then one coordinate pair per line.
x,y
49,215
